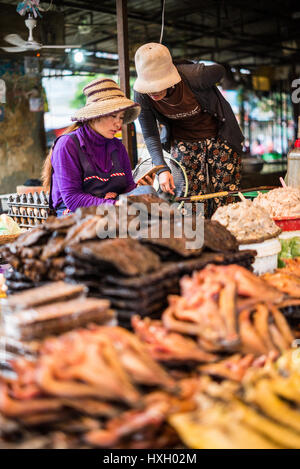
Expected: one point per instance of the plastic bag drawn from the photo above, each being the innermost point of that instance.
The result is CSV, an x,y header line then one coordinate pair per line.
x,y
8,226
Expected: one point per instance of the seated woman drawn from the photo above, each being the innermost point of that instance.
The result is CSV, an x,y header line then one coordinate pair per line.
x,y
87,165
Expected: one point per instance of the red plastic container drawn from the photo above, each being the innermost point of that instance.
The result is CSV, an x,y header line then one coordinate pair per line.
x,y
288,223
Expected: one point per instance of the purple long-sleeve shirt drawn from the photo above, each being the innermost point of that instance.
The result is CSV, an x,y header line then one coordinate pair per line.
x,y
67,178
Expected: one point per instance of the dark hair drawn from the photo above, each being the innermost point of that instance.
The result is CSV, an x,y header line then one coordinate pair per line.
x,y
47,167
32,182
183,62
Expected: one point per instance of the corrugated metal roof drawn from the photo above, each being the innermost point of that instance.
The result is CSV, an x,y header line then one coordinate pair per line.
x,y
232,31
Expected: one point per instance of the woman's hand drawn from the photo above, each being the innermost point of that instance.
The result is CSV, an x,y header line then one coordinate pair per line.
x,y
146,181
110,195
166,182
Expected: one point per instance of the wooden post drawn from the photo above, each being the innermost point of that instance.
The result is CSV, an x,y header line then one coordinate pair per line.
x,y
122,27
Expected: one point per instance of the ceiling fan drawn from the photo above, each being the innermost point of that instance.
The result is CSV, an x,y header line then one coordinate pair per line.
x,y
30,44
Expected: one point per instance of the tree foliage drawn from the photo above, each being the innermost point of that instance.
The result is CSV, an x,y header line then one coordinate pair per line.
x,y
79,99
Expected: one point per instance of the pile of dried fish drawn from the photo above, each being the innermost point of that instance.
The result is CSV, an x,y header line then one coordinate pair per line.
x,y
104,386
136,275
142,290
287,279
52,309
56,318
99,386
178,351
261,413
292,266
229,308
222,309
14,435
47,294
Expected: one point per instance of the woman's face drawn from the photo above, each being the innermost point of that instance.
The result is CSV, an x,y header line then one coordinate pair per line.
x,y
108,126
158,96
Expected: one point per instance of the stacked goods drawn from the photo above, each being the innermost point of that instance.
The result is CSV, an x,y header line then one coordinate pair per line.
x,y
131,275
98,386
38,255
51,293
260,413
42,321
51,309
29,209
30,316
136,275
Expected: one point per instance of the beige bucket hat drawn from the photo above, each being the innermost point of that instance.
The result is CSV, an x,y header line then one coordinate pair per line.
x,y
103,98
155,69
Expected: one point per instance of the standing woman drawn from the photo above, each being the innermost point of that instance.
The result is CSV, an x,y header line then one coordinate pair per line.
x,y
201,129
88,165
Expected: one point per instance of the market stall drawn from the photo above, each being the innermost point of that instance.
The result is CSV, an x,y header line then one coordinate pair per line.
x,y
117,332
142,343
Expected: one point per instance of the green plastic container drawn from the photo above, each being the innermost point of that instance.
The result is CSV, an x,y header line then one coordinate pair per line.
x,y
269,157
251,195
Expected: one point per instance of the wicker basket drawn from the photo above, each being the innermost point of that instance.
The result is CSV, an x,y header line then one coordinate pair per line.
x,y
4,239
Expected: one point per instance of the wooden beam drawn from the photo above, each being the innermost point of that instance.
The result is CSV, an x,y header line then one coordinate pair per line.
x,y
123,51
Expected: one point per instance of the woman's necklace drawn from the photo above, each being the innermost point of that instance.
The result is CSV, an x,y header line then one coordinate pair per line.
x,y
165,100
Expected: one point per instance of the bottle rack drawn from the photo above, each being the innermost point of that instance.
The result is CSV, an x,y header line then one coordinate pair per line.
x,y
29,210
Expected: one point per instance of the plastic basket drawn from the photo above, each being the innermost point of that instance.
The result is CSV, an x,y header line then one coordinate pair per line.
x,y
288,223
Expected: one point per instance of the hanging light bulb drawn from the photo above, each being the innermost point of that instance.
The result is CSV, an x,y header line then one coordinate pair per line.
x,y
78,57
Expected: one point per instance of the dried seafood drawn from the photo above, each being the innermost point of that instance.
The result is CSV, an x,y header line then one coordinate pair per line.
x,y
285,280
49,293
261,412
167,346
96,372
249,223
55,318
227,309
280,202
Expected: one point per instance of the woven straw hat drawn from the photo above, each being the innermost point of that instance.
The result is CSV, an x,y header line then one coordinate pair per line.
x,y
155,69
103,98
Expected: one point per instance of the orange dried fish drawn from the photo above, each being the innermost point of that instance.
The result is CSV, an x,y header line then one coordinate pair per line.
x,y
165,345
261,324
282,324
251,342
227,305
278,338
233,368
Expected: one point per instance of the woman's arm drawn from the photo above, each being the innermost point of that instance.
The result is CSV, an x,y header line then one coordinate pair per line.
x,y
150,132
68,174
203,76
125,162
